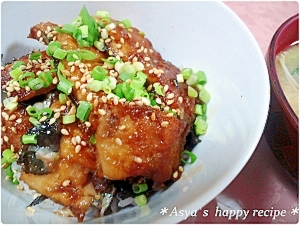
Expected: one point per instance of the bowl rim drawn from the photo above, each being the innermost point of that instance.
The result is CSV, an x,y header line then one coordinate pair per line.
x,y
273,50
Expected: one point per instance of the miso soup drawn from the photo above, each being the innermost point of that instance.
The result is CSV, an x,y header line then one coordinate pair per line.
x,y
287,67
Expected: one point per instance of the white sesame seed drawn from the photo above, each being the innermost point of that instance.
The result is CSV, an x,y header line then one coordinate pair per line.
x,y
164,123
39,33
175,175
78,139
44,118
52,120
158,100
118,141
153,116
89,97
122,127
102,112
55,80
169,114
170,96
73,140
180,99
66,183
64,131
180,168
137,159
77,148
104,99
12,117
170,102
88,124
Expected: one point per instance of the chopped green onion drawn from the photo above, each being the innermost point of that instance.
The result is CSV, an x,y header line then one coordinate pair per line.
x,y
15,73
110,26
8,156
179,78
84,31
118,91
72,57
186,73
52,47
118,66
104,21
10,103
204,95
137,84
25,78
83,110
191,156
140,200
102,13
127,91
159,89
18,64
84,54
36,84
99,45
65,85
35,56
52,64
126,76
138,66
34,121
95,85
192,92
45,112
29,139
139,188
92,139
77,21
67,119
60,53
9,173
126,23
46,77
201,77
69,28
99,73
200,125
90,22
193,79
198,109
127,67
32,111
111,60
62,98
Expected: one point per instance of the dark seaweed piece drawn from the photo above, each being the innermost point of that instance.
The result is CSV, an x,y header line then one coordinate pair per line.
x,y
48,135
37,200
48,138
191,140
32,164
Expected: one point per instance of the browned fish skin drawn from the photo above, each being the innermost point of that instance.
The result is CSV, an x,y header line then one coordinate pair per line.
x,y
34,66
43,32
14,125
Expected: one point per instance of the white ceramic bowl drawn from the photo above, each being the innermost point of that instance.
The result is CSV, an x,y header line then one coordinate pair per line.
x,y
201,35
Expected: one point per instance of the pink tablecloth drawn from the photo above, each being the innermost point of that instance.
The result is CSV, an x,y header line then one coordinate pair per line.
x,y
262,184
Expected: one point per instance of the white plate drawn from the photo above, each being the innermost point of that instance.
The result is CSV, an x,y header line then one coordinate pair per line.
x,y
201,35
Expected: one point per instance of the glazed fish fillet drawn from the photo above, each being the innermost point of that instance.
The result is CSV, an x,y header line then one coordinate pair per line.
x,y
135,137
